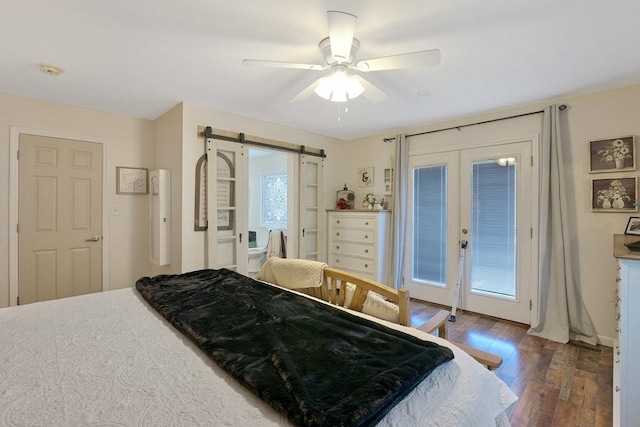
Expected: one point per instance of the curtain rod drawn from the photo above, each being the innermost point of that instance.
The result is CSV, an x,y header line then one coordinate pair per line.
x,y
561,107
208,133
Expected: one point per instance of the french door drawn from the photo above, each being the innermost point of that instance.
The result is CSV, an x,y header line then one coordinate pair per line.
x,y
486,197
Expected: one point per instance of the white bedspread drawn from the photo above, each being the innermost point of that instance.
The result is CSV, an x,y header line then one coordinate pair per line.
x,y
110,359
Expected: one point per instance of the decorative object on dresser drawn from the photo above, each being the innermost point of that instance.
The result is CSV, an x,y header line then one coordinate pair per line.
x,y
345,198
614,195
359,242
612,155
626,371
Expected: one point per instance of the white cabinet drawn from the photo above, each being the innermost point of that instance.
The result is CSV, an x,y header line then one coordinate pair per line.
x,y
359,242
626,370
160,206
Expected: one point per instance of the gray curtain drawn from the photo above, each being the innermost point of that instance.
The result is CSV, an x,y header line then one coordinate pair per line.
x,y
562,313
399,211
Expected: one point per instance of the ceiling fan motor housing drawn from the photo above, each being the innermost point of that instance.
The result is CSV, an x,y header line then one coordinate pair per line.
x,y
325,49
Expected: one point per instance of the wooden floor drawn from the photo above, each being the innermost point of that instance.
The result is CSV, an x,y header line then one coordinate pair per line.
x,y
558,384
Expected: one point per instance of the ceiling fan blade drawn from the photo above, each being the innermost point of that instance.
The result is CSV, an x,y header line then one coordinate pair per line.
x,y
306,92
342,27
423,58
281,64
371,93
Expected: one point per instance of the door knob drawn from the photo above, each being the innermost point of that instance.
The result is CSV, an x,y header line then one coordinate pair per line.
x,y
93,239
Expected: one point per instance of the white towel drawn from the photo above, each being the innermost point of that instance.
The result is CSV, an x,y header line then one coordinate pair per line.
x,y
275,245
292,273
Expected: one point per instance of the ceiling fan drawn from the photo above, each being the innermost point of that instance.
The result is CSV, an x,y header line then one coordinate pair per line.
x,y
339,53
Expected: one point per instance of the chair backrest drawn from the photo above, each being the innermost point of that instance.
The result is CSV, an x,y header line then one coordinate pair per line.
x,y
334,285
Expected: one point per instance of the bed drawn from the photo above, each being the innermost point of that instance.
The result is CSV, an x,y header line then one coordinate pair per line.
x,y
112,359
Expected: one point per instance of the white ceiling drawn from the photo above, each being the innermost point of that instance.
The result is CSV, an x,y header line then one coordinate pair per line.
x,y
141,57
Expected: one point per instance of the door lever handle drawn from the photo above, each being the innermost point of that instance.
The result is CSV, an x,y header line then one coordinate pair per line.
x,y
93,239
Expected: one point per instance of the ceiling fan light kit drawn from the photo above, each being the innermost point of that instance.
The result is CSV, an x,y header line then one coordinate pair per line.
x,y
340,87
339,53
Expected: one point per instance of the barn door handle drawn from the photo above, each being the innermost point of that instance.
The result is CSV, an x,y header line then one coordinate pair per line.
x,y
93,239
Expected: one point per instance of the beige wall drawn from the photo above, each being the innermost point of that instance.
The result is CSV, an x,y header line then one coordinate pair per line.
x,y
589,117
129,142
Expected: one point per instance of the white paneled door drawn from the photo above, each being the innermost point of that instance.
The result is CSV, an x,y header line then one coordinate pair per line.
x,y
60,218
486,197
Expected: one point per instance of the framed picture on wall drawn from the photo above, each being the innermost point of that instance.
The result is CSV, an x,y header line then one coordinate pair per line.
x,y
633,226
612,155
365,176
614,195
131,180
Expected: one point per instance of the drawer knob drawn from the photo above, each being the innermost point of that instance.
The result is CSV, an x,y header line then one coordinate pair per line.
x,y
337,260
617,360
366,223
617,329
366,265
617,388
337,234
338,222
337,247
366,251
366,236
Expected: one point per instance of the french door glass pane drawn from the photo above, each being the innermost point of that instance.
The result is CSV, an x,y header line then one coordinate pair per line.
x,y
493,229
430,225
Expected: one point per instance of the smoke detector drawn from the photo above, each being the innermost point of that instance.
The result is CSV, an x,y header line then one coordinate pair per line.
x,y
50,70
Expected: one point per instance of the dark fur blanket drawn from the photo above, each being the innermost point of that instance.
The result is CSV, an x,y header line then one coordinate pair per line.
x,y
318,365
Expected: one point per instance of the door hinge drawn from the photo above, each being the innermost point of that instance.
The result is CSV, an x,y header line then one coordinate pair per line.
x,y
532,232
18,302
18,154
530,305
531,160
17,228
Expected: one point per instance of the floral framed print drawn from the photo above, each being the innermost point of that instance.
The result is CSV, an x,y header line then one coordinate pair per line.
x,y
614,195
131,180
633,226
612,155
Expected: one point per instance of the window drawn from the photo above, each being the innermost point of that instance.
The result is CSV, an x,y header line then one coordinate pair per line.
x,y
274,200
430,225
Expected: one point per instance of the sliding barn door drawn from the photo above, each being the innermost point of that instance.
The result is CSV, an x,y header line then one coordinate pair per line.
x,y
227,236
311,215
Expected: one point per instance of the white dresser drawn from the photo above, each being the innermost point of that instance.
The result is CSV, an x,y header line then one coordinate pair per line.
x,y
626,369
359,242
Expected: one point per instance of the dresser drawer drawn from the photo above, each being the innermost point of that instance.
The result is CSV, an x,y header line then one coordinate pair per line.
x,y
357,264
355,249
354,221
353,235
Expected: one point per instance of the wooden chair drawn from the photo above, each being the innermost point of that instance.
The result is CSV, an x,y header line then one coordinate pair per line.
x,y
439,323
335,282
